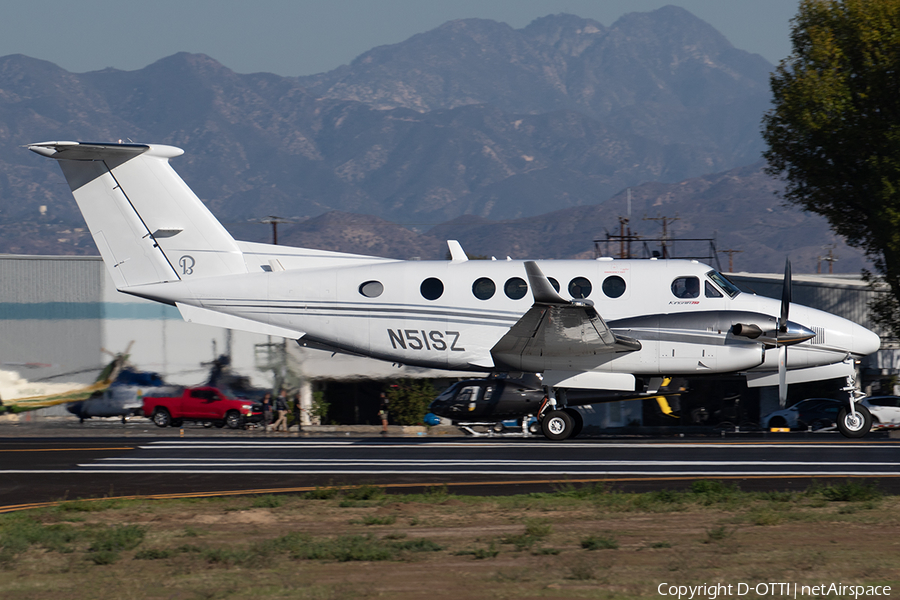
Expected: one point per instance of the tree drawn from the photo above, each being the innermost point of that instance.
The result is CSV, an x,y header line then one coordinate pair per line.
x,y
834,131
408,400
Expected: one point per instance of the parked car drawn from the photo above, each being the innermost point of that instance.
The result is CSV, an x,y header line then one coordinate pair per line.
x,y
818,413
885,411
204,404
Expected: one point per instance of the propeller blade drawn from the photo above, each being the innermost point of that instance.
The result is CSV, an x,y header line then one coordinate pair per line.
x,y
785,296
782,375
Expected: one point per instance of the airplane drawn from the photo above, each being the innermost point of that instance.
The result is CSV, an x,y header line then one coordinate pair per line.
x,y
604,324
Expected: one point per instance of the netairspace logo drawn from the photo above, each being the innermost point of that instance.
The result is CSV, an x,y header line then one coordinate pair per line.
x,y
772,590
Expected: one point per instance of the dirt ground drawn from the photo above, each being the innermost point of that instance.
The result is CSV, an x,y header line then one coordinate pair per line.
x,y
362,543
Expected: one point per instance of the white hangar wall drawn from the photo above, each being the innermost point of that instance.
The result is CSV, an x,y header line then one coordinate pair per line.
x,y
59,311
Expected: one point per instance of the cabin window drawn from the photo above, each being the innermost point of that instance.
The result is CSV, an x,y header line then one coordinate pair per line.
x,y
686,287
711,291
613,286
432,288
580,288
483,288
554,283
371,289
515,288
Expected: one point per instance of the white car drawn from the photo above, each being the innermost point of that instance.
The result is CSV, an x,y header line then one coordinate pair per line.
x,y
885,411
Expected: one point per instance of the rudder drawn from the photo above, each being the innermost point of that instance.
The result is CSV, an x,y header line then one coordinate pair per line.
x,y
147,223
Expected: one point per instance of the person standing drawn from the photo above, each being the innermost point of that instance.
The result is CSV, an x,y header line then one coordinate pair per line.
x,y
383,413
267,410
298,416
281,411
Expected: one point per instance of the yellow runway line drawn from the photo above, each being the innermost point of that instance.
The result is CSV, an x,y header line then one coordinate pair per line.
x,y
288,490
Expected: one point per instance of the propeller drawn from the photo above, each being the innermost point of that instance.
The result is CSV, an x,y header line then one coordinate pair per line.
x,y
783,329
785,333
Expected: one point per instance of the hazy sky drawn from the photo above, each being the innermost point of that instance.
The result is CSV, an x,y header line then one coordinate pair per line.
x,y
302,37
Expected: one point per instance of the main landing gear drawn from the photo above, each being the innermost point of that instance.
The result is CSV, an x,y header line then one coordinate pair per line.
x,y
559,422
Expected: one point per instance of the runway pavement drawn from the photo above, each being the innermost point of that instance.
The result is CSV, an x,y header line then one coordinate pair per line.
x,y
36,470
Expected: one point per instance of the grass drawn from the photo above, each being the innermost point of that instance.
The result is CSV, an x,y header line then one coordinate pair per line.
x,y
573,541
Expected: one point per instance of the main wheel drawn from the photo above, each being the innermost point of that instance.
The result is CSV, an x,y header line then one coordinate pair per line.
x,y
557,425
161,417
234,420
577,421
854,425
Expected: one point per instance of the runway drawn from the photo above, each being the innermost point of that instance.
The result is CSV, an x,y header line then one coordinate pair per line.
x,y
42,470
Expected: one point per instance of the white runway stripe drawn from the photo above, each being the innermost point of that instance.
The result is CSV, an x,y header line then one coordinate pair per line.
x,y
557,473
499,444
242,462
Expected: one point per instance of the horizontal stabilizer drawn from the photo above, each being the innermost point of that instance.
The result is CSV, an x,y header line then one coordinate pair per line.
x,y
203,316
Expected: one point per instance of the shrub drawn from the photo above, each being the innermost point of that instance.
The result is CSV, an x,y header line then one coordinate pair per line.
x,y
409,400
599,542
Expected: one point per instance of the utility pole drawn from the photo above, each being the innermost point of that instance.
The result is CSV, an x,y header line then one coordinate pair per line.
x,y
830,259
730,254
274,221
666,221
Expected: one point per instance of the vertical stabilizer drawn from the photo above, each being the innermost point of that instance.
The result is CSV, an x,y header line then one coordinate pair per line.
x,y
147,223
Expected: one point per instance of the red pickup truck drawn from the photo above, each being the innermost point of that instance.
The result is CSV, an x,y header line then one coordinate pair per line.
x,y
206,404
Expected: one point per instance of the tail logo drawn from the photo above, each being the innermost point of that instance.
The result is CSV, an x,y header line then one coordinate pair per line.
x,y
186,263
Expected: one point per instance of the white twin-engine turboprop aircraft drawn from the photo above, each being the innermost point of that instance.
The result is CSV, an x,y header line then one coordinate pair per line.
x,y
583,324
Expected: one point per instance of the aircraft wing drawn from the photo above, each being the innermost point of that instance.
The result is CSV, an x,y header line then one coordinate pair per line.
x,y
555,327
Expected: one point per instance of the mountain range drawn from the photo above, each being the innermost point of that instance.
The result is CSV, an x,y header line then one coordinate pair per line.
x,y
514,141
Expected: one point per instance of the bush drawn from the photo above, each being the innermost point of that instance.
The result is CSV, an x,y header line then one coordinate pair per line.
x,y
599,542
852,491
409,399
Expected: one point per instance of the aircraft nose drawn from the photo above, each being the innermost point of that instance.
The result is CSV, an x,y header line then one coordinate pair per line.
x,y
865,341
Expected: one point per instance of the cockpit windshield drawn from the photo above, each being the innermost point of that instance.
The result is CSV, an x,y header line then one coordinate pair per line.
x,y
722,281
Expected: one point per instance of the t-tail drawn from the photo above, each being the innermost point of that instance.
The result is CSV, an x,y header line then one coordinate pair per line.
x,y
147,223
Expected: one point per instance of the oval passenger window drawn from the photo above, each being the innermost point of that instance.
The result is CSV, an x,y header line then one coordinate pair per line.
x,y
483,288
613,286
432,288
580,288
371,289
515,288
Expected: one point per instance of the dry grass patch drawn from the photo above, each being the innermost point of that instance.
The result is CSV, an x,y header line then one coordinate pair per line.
x,y
588,542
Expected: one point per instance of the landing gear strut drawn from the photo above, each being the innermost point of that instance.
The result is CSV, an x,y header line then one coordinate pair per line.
x,y
854,421
558,422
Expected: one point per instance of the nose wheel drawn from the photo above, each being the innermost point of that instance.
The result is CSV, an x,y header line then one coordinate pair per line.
x,y
854,423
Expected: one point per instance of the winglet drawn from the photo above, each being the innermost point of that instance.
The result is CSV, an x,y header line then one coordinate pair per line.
x,y
456,252
541,288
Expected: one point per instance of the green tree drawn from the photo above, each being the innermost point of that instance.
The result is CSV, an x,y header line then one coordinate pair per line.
x,y
409,399
834,131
